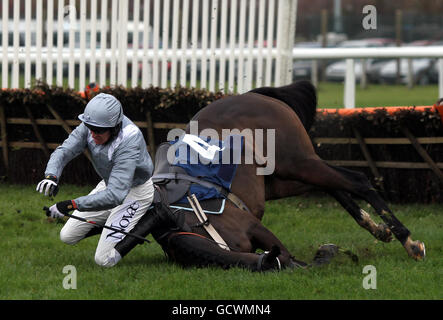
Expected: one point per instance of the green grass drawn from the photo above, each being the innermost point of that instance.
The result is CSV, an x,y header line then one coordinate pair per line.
x,y
33,257
330,95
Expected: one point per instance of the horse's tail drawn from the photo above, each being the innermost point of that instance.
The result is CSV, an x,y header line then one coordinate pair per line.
x,y
301,96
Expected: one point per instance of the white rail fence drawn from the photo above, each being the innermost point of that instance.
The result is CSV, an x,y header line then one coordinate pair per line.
x,y
231,45
350,54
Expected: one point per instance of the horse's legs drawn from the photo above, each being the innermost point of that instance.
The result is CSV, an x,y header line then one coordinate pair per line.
x,y
318,173
278,188
415,249
190,249
379,231
263,238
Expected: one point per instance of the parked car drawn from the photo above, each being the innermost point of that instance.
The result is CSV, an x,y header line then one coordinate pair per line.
x,y
337,71
421,69
373,70
302,69
433,73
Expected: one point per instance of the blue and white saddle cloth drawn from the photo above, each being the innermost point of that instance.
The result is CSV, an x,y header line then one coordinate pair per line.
x,y
214,161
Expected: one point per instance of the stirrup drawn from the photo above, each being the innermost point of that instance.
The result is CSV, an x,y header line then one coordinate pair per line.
x,y
266,254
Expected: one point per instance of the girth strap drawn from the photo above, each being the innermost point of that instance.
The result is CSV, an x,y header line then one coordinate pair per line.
x,y
180,176
205,222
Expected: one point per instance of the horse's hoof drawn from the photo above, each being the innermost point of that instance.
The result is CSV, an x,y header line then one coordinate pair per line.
x,y
324,254
383,233
416,249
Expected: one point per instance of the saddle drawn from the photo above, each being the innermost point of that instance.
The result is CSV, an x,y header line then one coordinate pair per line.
x,y
172,183
175,189
176,183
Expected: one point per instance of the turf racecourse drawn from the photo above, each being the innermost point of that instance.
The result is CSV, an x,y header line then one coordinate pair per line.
x,y
33,258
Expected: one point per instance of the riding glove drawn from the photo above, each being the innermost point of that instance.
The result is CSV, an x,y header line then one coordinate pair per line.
x,y
59,209
49,185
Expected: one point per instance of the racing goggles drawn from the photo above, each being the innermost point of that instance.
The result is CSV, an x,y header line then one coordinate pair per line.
x,y
97,130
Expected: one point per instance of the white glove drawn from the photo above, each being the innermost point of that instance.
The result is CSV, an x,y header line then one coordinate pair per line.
x,y
49,185
54,213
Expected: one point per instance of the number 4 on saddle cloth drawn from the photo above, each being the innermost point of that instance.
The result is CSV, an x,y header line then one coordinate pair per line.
x,y
200,166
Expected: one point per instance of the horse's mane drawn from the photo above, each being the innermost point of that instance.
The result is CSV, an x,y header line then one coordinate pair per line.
x,y
301,96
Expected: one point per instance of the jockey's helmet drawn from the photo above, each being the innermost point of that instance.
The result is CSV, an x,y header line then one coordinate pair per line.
x,y
103,111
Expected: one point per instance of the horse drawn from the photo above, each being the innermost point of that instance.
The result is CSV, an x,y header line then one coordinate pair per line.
x,y
186,241
288,112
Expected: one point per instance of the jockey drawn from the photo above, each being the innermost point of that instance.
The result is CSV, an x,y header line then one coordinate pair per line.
x,y
119,156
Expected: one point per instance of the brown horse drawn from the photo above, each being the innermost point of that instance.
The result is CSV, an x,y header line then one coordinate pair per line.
x,y
290,111
186,241
287,112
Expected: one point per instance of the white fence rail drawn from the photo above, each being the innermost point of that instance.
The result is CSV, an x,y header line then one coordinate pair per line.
x,y
350,54
231,45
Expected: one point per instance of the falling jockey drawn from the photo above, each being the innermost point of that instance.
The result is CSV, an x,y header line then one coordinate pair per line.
x,y
119,156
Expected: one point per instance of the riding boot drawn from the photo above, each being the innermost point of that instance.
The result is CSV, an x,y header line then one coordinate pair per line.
x,y
160,219
148,222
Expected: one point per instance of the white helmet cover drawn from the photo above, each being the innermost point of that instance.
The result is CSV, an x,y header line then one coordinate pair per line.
x,y
104,110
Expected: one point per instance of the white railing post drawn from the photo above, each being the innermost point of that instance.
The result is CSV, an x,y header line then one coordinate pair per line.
x,y
156,32
93,42
165,43
82,69
114,28
103,41
184,42
269,43
223,43
291,38
410,76
72,28
440,78
49,41
249,63
5,44
122,42
260,39
204,45
349,90
241,45
28,45
314,73
135,43
213,43
194,41
287,12
15,61
232,43
146,68
174,43
39,40
60,33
